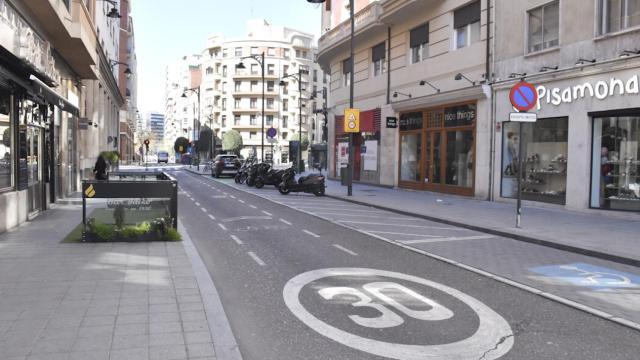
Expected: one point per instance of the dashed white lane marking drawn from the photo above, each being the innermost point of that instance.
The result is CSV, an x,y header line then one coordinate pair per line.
x,y
212,217
267,213
310,233
345,250
248,218
372,216
314,209
197,203
241,201
223,227
253,206
203,209
422,241
256,258
238,241
286,222
398,233
402,225
231,196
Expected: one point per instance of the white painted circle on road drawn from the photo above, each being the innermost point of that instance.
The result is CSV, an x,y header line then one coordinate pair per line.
x,y
492,339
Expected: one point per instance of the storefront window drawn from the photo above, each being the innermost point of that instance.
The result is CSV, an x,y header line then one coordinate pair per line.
x,y
6,155
544,177
410,156
460,158
615,177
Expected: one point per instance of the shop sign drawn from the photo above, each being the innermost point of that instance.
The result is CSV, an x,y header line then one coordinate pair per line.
x,y
411,121
392,122
21,40
601,90
459,115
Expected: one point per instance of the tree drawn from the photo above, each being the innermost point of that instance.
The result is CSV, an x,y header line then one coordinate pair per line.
x,y
181,144
304,142
232,141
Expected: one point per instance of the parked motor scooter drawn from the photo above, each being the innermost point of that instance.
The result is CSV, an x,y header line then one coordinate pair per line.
x,y
313,183
243,172
269,177
253,172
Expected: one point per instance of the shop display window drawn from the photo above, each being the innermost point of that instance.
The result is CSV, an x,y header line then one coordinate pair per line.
x,y
6,153
410,157
615,176
544,176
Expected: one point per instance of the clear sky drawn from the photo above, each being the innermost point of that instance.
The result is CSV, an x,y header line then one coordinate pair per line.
x,y
166,30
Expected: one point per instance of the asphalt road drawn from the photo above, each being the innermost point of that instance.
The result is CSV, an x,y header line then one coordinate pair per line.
x,y
298,287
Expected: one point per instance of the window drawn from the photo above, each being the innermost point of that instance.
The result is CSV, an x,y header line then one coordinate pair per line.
x,y
271,51
346,72
315,75
271,69
253,103
298,53
269,103
270,85
324,78
252,120
304,119
285,88
254,50
544,23
285,119
209,70
238,84
6,158
254,86
377,57
224,87
253,135
285,70
254,69
236,104
217,68
287,53
284,135
238,52
419,43
269,120
466,22
224,104
224,53
285,104
224,70
224,120
616,15
236,120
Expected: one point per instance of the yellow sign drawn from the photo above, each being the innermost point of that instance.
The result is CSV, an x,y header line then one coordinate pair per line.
x,y
352,120
90,191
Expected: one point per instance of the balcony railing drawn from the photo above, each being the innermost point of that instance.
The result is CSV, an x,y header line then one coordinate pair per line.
x,y
365,17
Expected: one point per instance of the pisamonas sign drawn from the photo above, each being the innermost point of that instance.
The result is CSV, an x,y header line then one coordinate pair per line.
x,y
601,90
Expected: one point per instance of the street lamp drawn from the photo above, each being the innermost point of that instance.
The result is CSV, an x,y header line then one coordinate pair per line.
x,y
195,90
127,71
283,83
260,60
351,85
113,13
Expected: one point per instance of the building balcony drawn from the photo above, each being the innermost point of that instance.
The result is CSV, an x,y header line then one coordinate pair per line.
x,y
367,21
253,93
74,40
254,111
256,75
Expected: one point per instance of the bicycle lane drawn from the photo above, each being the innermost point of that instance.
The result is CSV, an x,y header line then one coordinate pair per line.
x,y
612,292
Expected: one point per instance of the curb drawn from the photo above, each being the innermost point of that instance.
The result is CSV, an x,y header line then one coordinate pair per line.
x,y
570,248
530,289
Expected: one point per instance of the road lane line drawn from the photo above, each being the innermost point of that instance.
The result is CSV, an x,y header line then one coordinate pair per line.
x,y
381,216
197,203
231,196
286,222
267,213
256,258
238,241
423,241
253,206
223,227
248,218
241,201
203,209
345,250
399,233
402,225
310,233
212,217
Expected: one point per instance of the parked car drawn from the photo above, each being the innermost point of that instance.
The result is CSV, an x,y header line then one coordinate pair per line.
x,y
163,156
225,165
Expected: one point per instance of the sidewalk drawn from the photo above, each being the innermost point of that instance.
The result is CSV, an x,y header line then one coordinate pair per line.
x,y
596,235
97,301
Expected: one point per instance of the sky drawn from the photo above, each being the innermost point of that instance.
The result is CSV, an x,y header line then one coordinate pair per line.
x,y
166,30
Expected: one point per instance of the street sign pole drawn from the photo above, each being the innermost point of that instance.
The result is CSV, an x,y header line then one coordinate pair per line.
x,y
520,164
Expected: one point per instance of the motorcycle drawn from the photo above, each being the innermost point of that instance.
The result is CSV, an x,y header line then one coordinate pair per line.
x,y
268,177
253,172
313,183
243,172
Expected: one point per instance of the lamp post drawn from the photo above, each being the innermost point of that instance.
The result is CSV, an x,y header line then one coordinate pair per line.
x,y
197,127
282,83
351,84
260,60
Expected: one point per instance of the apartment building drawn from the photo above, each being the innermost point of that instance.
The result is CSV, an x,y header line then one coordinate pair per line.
x,y
127,83
584,59
156,123
59,100
232,98
420,71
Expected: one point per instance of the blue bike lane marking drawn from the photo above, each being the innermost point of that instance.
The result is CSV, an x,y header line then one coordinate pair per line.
x,y
590,276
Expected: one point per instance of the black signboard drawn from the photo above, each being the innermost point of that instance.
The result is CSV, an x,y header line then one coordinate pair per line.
x,y
462,115
392,122
23,166
411,121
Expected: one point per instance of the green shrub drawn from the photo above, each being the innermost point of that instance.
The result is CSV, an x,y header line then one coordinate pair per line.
x,y
172,235
104,232
134,231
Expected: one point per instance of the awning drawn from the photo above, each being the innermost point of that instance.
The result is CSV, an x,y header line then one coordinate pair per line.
x,y
53,97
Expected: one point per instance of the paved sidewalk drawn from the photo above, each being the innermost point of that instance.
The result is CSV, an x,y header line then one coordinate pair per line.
x,y
97,301
591,234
